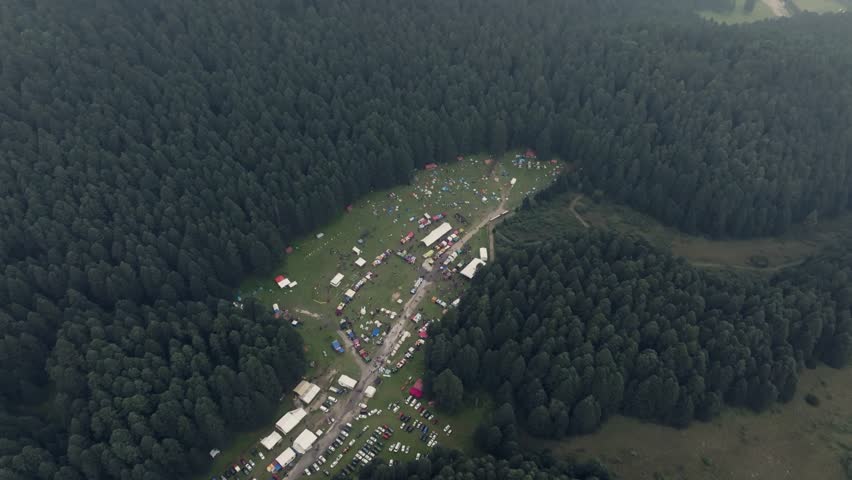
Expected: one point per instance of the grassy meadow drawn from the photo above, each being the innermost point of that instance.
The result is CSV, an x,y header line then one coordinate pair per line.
x,y
380,219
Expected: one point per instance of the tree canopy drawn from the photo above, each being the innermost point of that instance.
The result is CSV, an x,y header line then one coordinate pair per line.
x,y
155,152
572,331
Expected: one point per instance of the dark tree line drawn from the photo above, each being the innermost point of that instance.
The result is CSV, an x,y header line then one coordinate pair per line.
x,y
443,464
155,152
567,333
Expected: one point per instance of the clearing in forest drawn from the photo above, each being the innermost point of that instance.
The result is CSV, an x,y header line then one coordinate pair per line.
x,y
767,254
466,192
820,6
761,11
790,441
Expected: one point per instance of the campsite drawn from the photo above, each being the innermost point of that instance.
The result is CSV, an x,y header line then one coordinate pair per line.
x,y
352,281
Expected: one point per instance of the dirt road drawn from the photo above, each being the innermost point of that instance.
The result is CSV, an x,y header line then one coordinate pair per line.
x,y
344,412
573,207
777,7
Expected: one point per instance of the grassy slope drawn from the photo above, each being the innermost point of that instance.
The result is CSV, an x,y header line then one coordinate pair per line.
x,y
555,219
790,441
380,219
760,12
819,6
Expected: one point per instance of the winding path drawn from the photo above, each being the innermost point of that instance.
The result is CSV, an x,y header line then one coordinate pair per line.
x,y
573,208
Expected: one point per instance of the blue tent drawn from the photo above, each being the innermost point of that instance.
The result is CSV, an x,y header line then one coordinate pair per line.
x,y
336,346
376,332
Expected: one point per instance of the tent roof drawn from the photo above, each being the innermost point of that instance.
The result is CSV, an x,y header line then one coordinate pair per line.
x,y
271,440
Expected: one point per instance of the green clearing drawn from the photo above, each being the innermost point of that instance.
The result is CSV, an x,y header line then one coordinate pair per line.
x,y
555,219
242,444
395,389
738,15
819,6
380,219
792,440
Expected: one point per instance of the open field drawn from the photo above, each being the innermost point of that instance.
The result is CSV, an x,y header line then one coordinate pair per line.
x,y
380,220
737,15
556,218
820,6
792,441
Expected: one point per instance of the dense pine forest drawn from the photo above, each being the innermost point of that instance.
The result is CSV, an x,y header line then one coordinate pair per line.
x,y
154,153
448,465
570,332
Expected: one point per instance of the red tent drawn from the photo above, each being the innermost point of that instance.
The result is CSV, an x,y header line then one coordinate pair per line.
x,y
530,153
554,161
488,161
423,334
417,390
279,278
460,158
431,166
288,250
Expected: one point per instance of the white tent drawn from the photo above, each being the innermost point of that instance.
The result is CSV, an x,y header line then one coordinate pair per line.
x,y
310,395
304,441
306,391
347,382
483,254
286,457
335,282
436,234
470,270
283,283
370,391
288,422
513,181
350,293
356,250
271,440
360,262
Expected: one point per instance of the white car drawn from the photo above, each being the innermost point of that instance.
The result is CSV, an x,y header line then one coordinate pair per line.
x,y
322,407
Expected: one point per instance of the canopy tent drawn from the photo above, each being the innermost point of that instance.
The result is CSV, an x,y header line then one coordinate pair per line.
x,y
360,262
436,234
282,281
286,457
271,440
417,390
335,282
304,441
470,270
370,391
347,382
288,422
